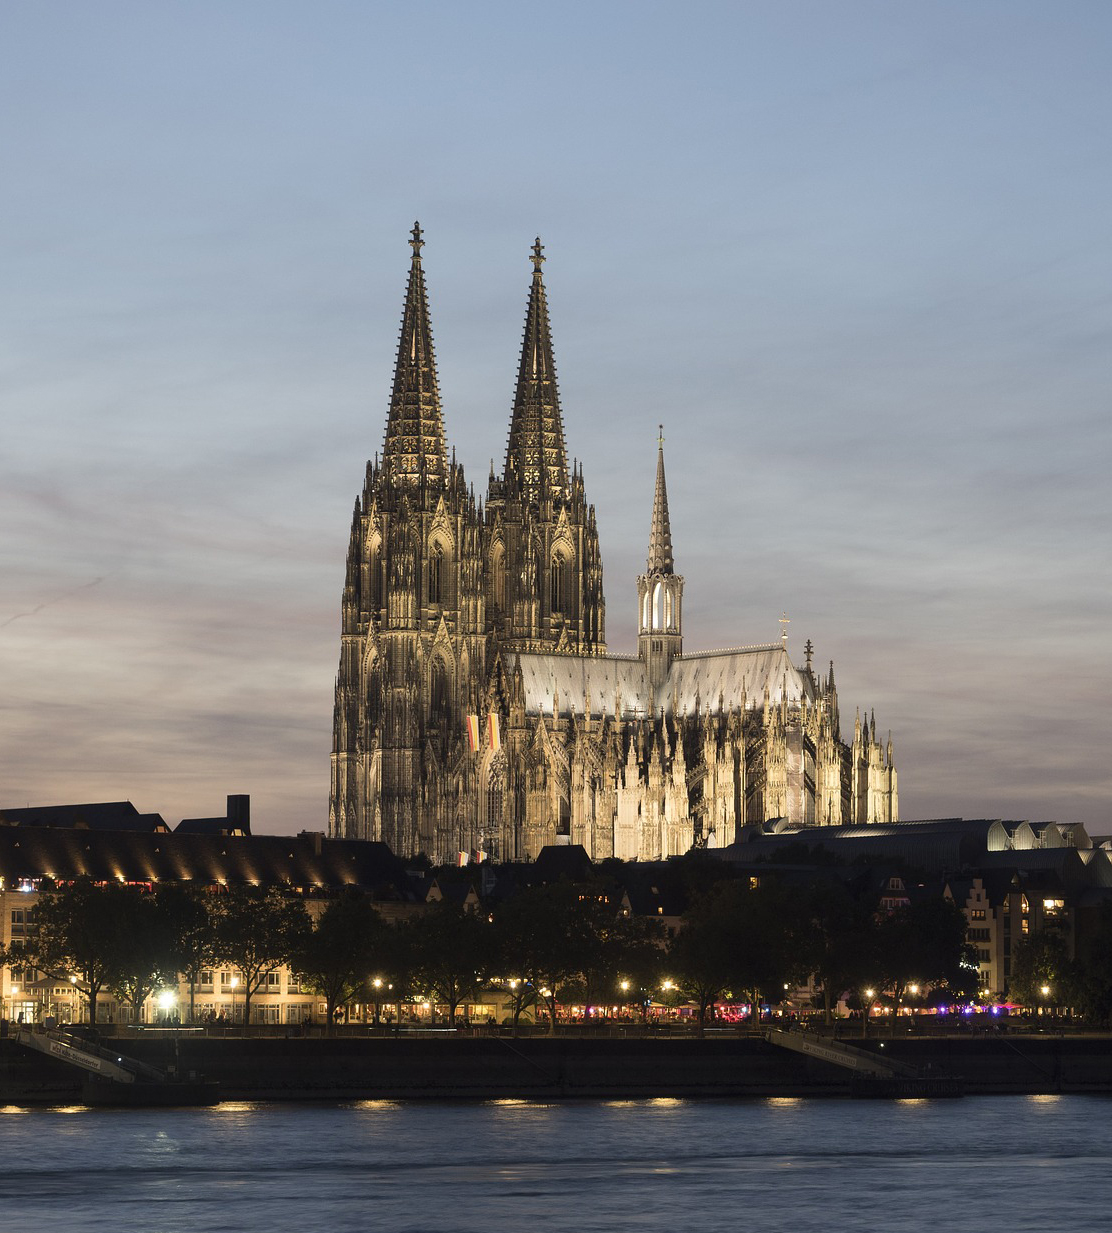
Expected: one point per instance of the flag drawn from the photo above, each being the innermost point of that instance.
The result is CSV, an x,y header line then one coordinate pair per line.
x,y
480,856
495,735
473,732
461,859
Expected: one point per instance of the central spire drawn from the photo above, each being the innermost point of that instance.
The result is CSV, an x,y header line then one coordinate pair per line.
x,y
415,446
536,460
660,537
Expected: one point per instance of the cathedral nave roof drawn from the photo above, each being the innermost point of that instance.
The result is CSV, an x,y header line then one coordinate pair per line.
x,y
698,680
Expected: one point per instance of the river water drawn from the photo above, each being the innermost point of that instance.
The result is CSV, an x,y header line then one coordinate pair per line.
x,y
1009,1162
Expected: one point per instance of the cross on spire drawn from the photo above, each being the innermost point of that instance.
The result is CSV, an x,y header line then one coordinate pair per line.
x,y
538,255
416,240
660,436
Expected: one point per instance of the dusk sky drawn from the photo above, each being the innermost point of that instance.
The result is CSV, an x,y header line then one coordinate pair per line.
x,y
856,257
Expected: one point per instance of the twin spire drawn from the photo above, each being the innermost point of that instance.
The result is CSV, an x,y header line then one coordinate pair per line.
x,y
415,448
536,460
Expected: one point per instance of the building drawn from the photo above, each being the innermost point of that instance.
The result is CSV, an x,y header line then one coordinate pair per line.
x,y
476,707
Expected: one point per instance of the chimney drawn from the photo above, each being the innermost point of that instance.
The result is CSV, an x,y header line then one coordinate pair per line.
x,y
239,813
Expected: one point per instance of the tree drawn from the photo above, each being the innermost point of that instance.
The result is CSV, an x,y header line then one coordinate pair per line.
x,y
699,954
1042,958
1092,972
256,931
837,941
762,928
142,955
188,913
76,931
335,955
923,943
543,937
451,951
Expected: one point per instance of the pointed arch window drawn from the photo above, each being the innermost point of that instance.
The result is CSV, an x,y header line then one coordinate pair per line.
x,y
559,588
374,577
496,783
498,580
436,575
438,691
657,589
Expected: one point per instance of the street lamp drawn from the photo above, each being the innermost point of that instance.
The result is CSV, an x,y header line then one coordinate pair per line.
x,y
1045,991
234,984
377,983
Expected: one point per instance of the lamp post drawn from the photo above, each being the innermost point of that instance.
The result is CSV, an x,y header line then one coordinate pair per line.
x,y
377,986
869,995
233,985
914,991
1045,991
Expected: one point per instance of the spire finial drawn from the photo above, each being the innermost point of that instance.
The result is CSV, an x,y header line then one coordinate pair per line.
x,y
784,621
538,255
415,240
660,436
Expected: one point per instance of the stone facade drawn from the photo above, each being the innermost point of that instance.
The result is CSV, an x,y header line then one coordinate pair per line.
x,y
476,707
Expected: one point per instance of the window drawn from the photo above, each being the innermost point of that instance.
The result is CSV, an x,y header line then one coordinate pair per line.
x,y
498,580
204,981
273,981
438,691
436,575
977,914
558,588
374,577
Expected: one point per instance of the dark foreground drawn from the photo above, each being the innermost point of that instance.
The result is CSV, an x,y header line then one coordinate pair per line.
x,y
544,1068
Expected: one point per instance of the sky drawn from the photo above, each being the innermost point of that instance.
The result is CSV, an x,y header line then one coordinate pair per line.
x,y
855,257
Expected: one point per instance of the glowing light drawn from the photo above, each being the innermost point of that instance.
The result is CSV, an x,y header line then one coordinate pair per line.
x,y
166,999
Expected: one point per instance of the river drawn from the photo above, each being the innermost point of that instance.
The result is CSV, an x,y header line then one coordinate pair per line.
x,y
1011,1162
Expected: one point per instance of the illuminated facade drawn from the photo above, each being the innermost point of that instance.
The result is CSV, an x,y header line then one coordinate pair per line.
x,y
476,708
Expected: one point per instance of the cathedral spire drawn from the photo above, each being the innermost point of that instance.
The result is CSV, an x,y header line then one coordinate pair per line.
x,y
415,448
660,538
536,460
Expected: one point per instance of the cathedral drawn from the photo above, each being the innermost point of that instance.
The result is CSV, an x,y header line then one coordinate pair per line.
x,y
477,711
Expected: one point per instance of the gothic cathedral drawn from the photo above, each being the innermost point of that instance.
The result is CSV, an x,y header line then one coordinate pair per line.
x,y
477,710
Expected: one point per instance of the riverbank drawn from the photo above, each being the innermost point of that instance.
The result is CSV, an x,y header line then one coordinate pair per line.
x,y
493,1067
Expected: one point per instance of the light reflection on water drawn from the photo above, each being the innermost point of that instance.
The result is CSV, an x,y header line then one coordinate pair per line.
x,y
776,1165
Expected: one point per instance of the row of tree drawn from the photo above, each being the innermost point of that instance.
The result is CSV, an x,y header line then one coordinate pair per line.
x,y
1045,974
559,941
